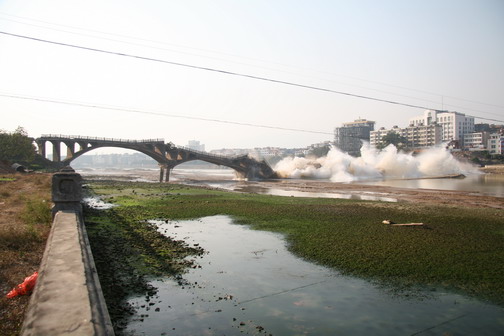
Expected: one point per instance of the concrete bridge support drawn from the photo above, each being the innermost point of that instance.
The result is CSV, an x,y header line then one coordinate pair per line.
x,y
41,148
70,149
164,172
56,151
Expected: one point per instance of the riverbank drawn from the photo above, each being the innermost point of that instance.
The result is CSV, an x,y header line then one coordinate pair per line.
x,y
24,228
493,169
458,248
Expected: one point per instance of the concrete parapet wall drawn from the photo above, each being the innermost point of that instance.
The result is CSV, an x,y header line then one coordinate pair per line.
x,y
67,299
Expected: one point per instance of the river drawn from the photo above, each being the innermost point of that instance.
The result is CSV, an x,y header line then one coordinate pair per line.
x,y
249,283
486,184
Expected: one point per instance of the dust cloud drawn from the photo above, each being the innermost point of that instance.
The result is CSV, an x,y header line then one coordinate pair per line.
x,y
374,164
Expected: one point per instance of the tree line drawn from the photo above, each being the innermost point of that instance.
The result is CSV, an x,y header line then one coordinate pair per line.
x,y
16,146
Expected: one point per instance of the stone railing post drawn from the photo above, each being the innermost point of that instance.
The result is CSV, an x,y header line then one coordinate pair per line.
x,y
66,191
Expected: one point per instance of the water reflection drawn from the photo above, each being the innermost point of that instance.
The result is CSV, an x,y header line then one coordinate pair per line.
x,y
488,184
249,283
367,196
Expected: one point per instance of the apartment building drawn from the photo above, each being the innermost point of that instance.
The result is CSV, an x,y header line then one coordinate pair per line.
x,y
349,137
454,125
417,137
496,144
477,141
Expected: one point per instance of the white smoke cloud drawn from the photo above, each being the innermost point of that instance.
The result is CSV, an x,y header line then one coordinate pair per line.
x,y
373,164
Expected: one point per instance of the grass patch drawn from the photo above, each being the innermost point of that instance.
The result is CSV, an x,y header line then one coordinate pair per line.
x,y
462,249
36,212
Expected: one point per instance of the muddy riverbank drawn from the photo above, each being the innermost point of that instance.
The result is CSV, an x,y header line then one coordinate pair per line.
x,y
475,195
427,196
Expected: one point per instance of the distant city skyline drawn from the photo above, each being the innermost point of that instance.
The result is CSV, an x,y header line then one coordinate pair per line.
x,y
244,74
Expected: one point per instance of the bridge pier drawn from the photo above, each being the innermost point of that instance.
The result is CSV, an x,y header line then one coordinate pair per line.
x,y
70,149
41,148
167,173
56,151
164,169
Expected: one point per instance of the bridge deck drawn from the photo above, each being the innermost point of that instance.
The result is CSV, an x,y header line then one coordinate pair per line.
x,y
87,138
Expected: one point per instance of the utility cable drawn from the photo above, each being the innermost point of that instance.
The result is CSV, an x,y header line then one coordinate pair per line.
x,y
130,110
139,111
230,73
215,70
249,58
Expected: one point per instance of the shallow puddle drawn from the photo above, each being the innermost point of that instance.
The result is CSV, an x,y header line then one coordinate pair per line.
x,y
248,283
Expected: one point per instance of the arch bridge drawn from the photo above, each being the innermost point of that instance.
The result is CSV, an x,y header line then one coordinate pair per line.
x,y
166,154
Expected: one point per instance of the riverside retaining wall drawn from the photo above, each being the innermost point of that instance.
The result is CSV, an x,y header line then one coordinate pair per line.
x,y
67,299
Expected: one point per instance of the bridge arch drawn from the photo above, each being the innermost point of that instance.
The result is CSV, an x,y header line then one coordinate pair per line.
x,y
159,159
166,154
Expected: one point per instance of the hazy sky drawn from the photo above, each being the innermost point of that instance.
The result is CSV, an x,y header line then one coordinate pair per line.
x,y
444,54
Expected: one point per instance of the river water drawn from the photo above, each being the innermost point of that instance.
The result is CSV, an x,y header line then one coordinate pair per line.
x,y
248,282
488,184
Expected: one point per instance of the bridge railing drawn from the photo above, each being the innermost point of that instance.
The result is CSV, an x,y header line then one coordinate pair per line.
x,y
87,138
220,156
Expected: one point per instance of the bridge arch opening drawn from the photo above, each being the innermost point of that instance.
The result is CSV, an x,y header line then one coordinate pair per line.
x,y
199,170
104,157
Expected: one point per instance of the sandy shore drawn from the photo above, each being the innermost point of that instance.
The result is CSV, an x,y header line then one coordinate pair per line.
x,y
493,169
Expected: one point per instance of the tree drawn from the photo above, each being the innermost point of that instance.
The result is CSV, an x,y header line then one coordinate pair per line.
x,y
393,138
16,146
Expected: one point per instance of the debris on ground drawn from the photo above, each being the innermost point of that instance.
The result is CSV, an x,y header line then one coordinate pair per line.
x,y
391,223
24,288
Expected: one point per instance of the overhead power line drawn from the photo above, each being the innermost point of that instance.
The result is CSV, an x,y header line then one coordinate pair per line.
x,y
216,70
227,73
440,95
138,111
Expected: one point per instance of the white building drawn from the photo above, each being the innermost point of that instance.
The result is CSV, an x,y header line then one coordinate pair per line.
x,y
477,141
417,137
496,144
453,124
376,136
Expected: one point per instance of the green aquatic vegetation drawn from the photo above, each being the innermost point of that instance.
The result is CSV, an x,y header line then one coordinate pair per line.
x,y
128,252
458,248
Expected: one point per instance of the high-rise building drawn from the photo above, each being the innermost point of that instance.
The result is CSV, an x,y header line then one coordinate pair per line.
x,y
349,137
454,125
